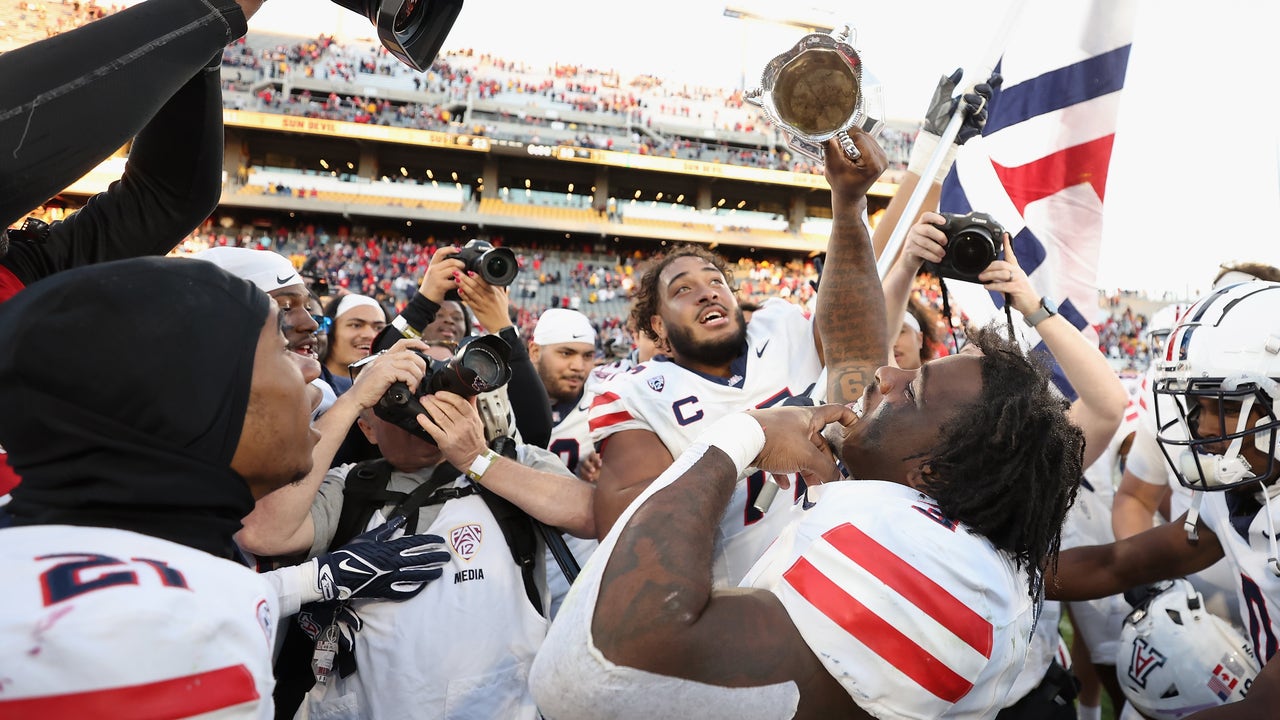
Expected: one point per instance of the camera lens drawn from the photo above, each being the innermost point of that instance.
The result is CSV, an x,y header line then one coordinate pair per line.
x,y
487,368
972,250
499,267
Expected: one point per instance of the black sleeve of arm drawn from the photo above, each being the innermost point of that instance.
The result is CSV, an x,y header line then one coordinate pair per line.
x,y
529,401
419,313
171,183
68,102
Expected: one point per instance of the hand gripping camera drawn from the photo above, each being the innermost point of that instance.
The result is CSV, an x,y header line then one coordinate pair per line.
x,y
495,265
479,366
974,241
411,30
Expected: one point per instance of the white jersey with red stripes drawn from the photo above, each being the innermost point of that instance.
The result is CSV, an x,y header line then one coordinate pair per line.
x,y
677,404
916,615
103,623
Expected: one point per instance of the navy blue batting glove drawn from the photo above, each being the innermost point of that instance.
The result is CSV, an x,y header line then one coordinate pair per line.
x,y
374,566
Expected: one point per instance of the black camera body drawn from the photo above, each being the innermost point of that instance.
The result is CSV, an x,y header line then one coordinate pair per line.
x,y
479,366
974,241
495,265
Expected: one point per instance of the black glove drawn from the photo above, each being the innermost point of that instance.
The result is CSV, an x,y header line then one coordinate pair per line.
x,y
372,566
315,617
943,106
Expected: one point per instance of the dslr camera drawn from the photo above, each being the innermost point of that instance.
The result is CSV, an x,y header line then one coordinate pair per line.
x,y
974,241
477,367
495,265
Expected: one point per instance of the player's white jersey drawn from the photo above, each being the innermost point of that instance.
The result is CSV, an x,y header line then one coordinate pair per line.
x,y
677,404
103,623
1240,523
1098,621
570,433
914,614
571,441
461,648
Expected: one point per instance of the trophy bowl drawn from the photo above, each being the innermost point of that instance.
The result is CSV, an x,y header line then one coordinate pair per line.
x,y
815,91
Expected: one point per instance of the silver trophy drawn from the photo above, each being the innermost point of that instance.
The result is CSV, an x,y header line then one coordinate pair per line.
x,y
816,91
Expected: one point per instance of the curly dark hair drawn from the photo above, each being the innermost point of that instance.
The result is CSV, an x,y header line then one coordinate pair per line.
x,y
1009,464
645,302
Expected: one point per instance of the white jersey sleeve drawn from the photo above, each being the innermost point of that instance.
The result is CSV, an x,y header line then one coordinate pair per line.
x,y
1145,460
914,614
94,620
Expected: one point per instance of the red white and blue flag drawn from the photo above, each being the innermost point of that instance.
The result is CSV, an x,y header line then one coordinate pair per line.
x,y
1040,166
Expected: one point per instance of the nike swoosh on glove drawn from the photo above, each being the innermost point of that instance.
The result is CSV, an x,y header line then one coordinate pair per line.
x,y
374,566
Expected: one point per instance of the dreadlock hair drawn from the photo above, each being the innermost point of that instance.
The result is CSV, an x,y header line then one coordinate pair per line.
x,y
647,298
1009,464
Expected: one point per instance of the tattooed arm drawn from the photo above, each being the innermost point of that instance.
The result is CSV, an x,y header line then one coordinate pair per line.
x,y
849,324
657,611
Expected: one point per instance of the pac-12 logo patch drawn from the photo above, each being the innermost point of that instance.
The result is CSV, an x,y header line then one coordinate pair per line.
x,y
465,540
657,383
1144,659
264,619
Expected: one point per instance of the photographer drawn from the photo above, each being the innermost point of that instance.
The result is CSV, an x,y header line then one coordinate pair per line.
x,y
483,627
448,276
151,71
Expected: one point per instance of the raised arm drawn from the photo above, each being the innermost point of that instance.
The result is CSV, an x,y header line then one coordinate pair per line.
x,y
924,241
528,396
68,102
849,323
1100,406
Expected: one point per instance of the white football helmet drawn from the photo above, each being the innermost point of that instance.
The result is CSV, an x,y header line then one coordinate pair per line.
x,y
1177,658
1226,348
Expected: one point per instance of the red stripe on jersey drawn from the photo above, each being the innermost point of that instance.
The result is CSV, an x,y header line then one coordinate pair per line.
x,y
878,635
604,421
913,585
178,697
604,398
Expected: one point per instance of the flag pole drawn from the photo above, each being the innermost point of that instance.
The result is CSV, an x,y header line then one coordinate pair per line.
x,y
908,216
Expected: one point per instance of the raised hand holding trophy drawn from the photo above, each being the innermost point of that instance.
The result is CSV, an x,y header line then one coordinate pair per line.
x,y
816,91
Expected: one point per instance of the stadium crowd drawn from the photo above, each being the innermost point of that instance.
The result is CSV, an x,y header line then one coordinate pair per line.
x,y
303,473
642,114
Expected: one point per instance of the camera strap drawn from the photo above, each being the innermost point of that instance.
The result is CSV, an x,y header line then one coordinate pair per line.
x,y
951,327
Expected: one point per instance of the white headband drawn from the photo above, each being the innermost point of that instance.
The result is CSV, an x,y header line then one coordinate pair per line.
x,y
910,320
268,270
353,301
